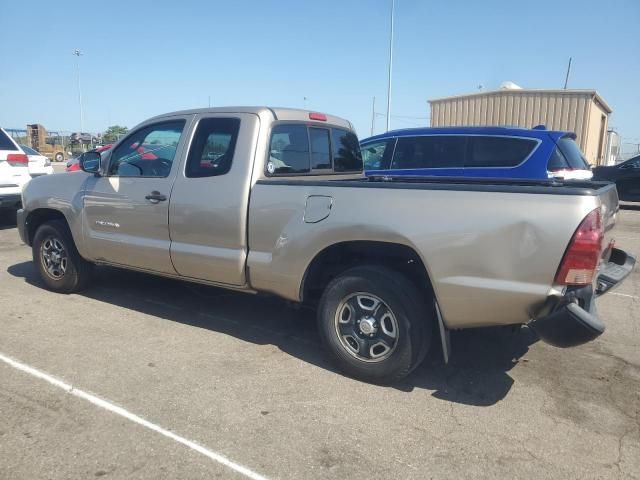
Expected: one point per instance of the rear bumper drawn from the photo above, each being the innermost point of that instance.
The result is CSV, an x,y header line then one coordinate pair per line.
x,y
39,171
10,201
574,320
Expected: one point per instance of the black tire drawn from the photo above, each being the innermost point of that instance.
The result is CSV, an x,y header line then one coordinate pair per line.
x,y
76,273
407,305
59,157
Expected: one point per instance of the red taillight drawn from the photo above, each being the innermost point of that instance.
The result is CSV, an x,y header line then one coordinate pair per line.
x,y
318,116
17,159
580,261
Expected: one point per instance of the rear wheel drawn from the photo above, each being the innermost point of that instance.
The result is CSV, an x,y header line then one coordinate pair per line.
x,y
375,324
59,157
57,260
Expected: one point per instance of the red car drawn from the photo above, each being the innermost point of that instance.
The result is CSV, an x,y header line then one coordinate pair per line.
x,y
73,165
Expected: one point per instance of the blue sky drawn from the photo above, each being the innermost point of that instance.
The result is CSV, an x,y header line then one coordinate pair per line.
x,y
147,57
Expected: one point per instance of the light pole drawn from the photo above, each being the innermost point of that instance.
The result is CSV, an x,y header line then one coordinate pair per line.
x,y
77,53
393,5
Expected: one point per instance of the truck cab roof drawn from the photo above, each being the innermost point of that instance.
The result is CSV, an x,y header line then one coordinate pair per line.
x,y
277,113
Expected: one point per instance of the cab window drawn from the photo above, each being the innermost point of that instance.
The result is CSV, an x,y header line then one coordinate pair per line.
x,y
320,148
289,150
299,148
212,148
148,152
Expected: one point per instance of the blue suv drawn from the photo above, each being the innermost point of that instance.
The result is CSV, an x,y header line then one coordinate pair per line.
x,y
498,152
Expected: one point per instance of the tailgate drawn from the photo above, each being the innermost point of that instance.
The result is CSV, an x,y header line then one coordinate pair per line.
x,y
608,197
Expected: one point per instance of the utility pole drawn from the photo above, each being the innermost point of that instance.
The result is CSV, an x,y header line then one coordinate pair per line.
x,y
77,53
393,5
373,116
566,79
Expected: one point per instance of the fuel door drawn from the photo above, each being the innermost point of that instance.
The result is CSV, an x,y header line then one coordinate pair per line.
x,y
318,208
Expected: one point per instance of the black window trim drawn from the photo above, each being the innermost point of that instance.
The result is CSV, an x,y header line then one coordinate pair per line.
x,y
466,136
312,172
187,123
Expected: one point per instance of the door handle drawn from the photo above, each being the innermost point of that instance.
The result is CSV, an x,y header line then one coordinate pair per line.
x,y
155,197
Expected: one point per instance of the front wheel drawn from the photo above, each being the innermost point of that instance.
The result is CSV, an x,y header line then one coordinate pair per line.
x,y
59,157
375,324
57,260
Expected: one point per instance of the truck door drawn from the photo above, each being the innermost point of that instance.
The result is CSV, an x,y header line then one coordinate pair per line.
x,y
210,199
126,211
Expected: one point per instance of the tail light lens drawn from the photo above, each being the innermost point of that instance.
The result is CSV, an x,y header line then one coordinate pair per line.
x,y
17,159
580,262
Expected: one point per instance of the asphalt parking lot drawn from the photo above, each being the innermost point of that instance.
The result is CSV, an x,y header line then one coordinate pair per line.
x,y
244,377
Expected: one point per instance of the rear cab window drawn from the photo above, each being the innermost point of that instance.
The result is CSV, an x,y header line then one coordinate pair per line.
x,y
298,148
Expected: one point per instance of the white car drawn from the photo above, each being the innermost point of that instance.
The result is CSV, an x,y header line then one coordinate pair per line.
x,y
14,172
38,163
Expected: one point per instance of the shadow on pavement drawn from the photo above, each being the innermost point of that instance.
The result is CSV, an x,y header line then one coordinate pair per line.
x,y
476,375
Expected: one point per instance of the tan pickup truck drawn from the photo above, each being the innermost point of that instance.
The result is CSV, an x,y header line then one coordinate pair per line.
x,y
274,200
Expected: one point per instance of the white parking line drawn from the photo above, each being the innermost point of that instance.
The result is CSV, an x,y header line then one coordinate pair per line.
x,y
635,297
130,416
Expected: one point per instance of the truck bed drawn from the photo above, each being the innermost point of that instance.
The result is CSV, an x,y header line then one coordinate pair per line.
x,y
491,249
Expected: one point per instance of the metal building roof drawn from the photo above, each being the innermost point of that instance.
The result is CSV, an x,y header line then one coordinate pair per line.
x,y
523,91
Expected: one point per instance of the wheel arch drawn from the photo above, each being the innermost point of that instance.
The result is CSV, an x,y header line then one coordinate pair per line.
x,y
39,216
339,257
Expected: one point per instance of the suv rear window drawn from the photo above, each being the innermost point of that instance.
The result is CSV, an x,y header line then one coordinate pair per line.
x,y
299,148
5,142
498,151
572,154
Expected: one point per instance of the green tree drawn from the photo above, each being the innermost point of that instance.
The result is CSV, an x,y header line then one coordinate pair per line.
x,y
113,133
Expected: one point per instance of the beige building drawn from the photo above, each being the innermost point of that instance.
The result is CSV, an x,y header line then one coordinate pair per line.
x,y
581,111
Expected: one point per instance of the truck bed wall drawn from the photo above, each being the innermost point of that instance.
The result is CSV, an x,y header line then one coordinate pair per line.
x,y
491,256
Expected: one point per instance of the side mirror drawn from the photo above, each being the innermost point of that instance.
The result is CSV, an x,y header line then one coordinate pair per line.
x,y
90,162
